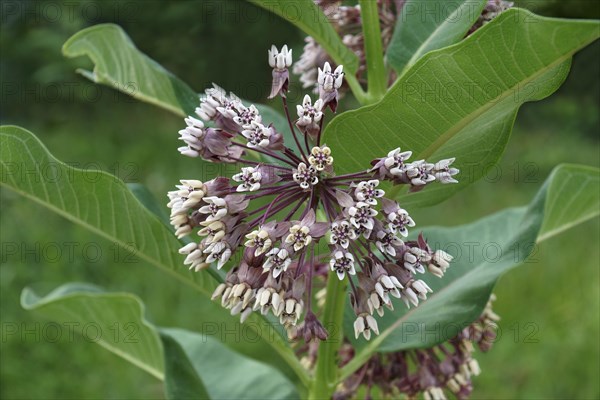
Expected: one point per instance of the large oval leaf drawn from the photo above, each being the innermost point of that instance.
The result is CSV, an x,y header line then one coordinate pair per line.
x,y
429,25
191,364
461,101
483,251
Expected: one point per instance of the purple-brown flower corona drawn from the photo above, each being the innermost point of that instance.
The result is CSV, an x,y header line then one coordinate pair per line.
x,y
277,212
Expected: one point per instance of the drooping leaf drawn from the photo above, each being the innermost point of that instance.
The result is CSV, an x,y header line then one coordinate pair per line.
x,y
95,200
181,380
191,364
306,15
228,375
483,251
119,64
461,101
423,26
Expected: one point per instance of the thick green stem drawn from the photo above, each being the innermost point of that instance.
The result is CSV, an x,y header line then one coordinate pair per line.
x,y
357,90
326,371
376,72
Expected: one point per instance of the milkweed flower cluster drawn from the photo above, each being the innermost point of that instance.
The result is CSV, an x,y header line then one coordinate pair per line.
x,y
276,212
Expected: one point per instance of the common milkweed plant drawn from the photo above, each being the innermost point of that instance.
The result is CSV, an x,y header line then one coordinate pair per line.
x,y
311,236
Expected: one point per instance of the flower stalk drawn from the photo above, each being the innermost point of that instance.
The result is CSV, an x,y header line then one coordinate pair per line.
x,y
326,371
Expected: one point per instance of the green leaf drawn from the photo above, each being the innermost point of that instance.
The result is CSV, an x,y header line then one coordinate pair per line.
x,y
461,101
429,25
191,364
118,63
95,200
306,15
115,321
483,251
228,375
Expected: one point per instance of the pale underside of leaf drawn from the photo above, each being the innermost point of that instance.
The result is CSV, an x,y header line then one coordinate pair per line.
x,y
418,30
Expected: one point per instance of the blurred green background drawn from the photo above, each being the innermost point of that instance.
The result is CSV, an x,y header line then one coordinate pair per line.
x,y
549,347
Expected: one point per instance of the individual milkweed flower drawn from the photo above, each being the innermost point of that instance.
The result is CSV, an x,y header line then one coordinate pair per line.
x,y
245,116
397,219
218,251
309,116
293,303
320,157
414,260
420,173
366,192
216,208
278,260
257,135
361,215
280,61
342,263
281,202
364,323
342,233
270,297
250,179
395,161
329,83
301,233
440,261
443,172
305,176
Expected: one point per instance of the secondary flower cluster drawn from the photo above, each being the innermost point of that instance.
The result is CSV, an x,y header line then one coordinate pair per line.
x,y
432,373
347,22
274,213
